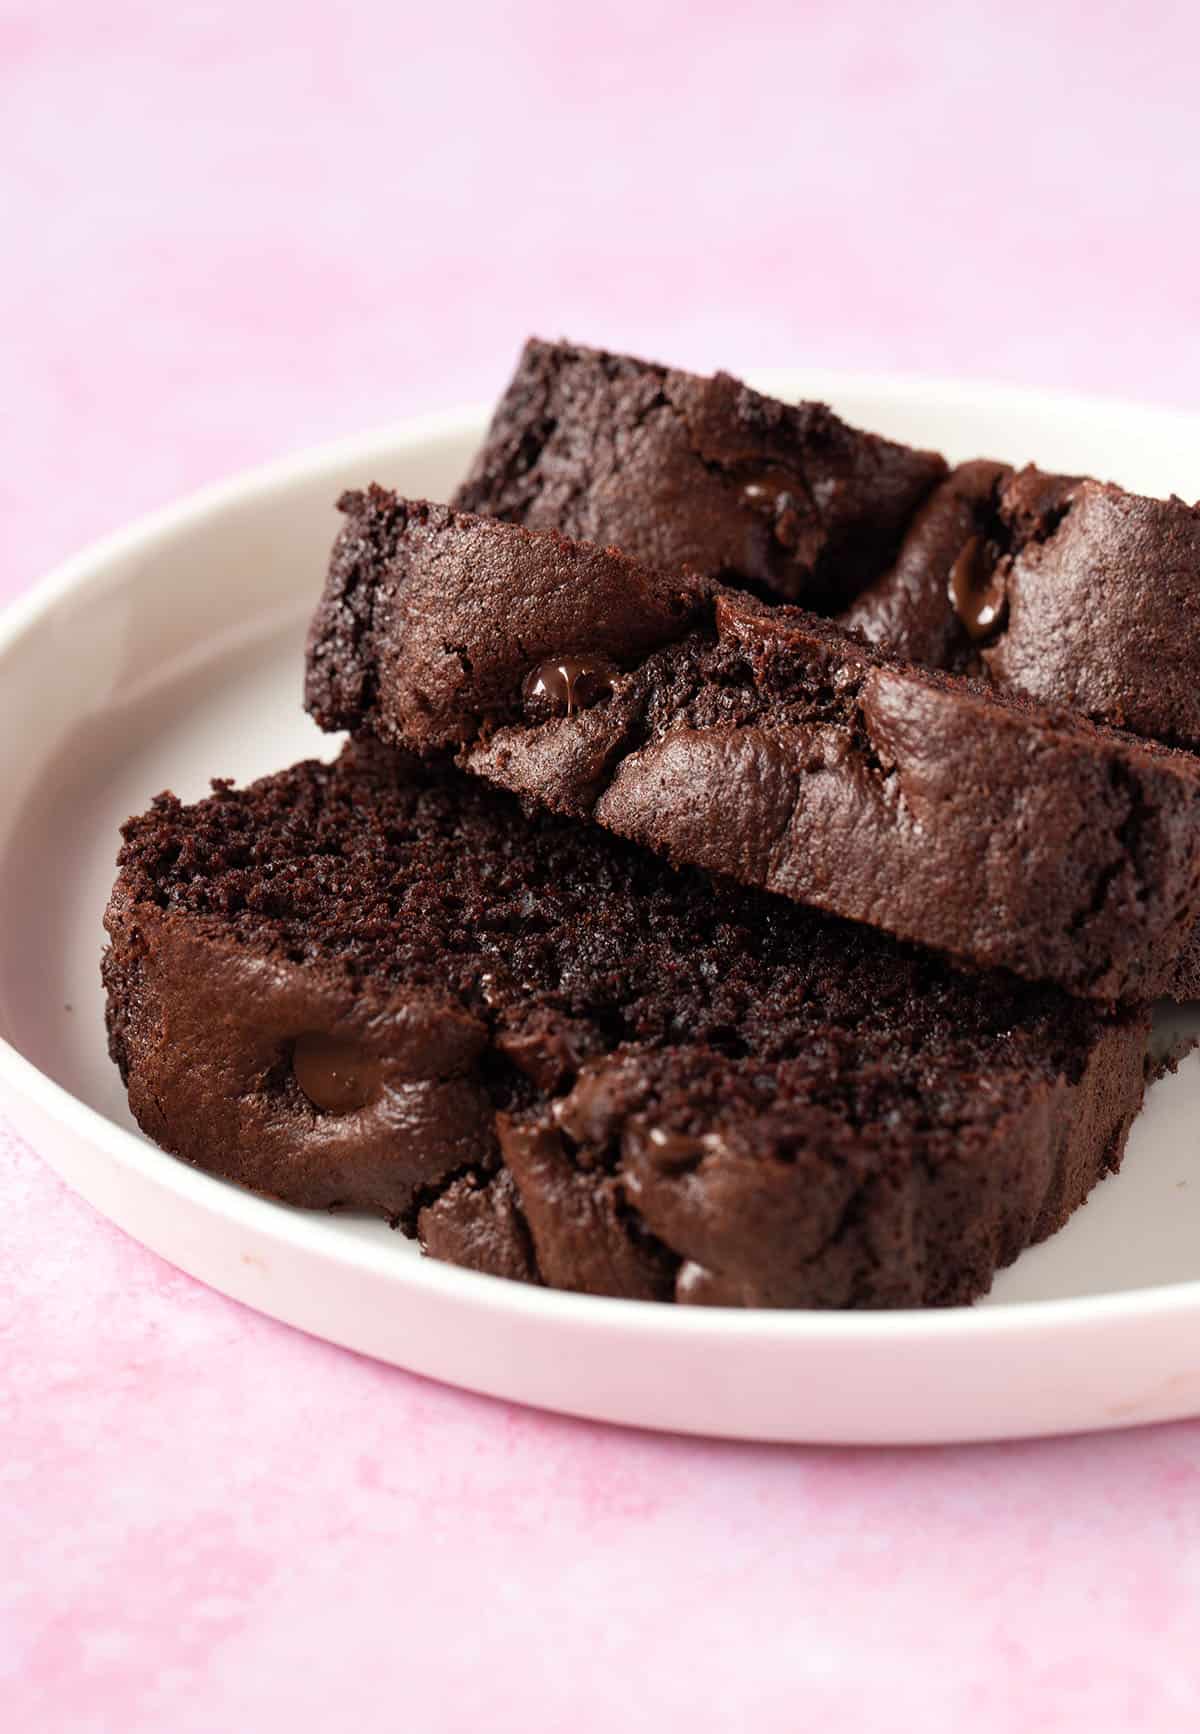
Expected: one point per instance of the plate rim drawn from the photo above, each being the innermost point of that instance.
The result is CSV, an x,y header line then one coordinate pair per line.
x,y
295,1230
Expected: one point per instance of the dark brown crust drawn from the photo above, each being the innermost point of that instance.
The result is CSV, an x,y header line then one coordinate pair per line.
x,y
825,1233
682,471
675,1090
400,621
762,742
201,1029
476,1221
1101,596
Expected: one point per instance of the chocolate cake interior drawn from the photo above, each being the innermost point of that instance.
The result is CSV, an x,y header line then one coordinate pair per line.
x,y
663,1085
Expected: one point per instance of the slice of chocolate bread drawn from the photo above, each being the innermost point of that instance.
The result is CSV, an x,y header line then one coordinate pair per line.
x,y
678,470
1068,590
377,984
762,742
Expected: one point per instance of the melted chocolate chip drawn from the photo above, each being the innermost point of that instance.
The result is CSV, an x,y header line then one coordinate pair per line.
x,y
774,495
674,1152
976,589
564,684
336,1075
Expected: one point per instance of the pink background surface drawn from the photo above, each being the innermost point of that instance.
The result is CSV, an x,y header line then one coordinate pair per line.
x,y
230,235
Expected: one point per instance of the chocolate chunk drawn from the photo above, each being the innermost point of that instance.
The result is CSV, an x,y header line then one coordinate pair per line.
x,y
338,1076
674,1152
561,685
976,589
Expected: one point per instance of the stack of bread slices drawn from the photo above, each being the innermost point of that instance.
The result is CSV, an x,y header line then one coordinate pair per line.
x,y
755,856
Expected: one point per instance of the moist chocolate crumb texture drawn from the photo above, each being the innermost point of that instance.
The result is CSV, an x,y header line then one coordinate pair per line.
x,y
760,741
379,985
1071,591
682,471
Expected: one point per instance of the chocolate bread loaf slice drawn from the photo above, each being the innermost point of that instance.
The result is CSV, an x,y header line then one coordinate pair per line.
x,y
762,742
1071,591
678,470
377,984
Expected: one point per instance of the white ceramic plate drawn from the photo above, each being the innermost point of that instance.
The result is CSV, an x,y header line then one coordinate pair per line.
x,y
172,653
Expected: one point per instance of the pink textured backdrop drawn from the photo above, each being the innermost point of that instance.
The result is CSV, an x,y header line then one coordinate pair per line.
x,y
234,229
